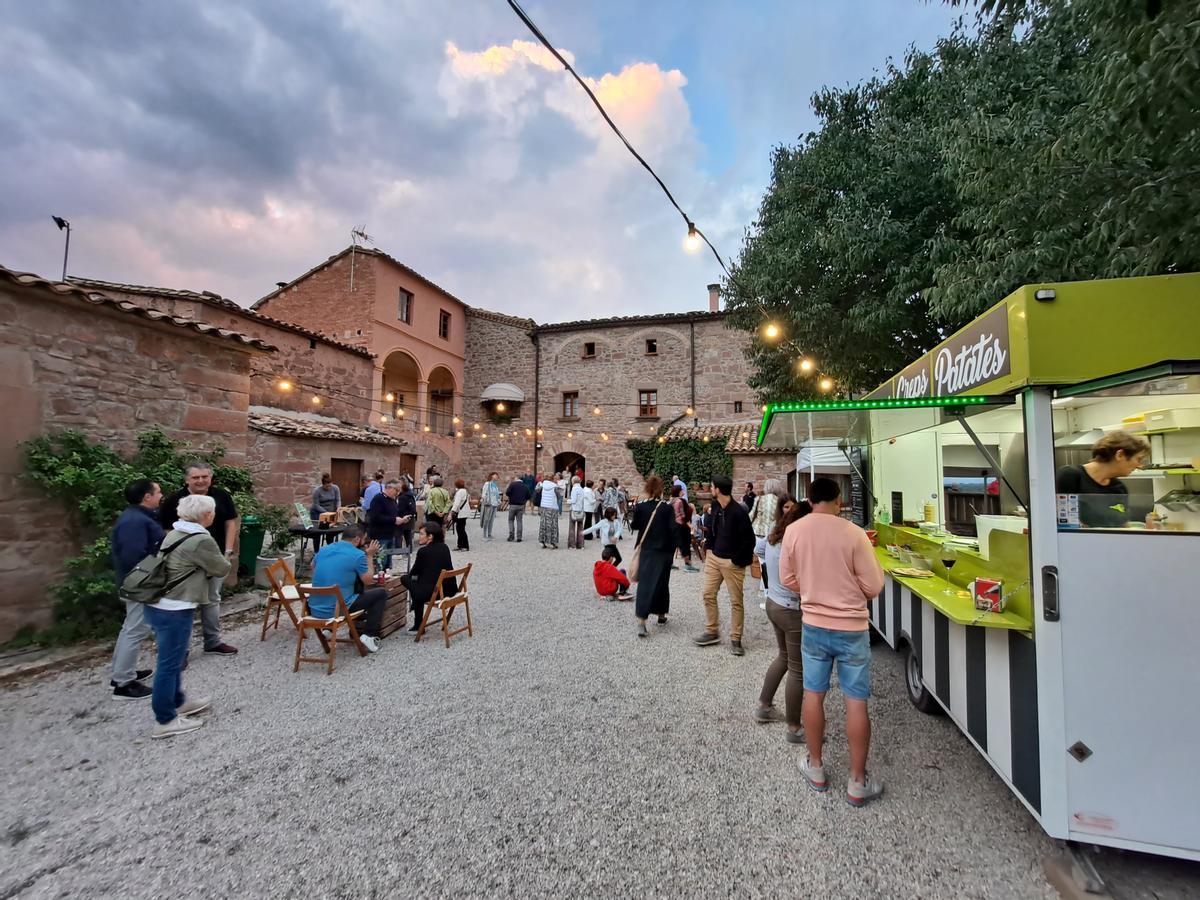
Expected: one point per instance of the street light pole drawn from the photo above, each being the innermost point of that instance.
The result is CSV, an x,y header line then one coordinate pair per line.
x,y
64,224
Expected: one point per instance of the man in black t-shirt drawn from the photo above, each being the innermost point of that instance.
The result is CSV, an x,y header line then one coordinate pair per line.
x,y
224,529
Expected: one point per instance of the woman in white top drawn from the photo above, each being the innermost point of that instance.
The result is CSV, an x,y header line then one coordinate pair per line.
x,y
765,512
460,511
783,609
549,497
577,501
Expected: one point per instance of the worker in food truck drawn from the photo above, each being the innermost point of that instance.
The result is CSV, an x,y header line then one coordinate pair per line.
x,y
1103,499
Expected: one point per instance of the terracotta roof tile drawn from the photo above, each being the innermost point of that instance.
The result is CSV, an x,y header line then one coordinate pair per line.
x,y
219,302
738,437
27,279
326,431
617,321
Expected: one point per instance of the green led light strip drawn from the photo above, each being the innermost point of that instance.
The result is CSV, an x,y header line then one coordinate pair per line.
x,y
888,403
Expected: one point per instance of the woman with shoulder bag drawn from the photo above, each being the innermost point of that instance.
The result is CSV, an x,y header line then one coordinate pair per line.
x,y
194,558
650,565
460,511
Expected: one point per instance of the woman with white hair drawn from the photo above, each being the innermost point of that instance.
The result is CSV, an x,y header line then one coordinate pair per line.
x,y
192,557
575,521
765,512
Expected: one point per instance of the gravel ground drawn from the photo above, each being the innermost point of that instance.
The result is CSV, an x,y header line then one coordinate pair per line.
x,y
552,754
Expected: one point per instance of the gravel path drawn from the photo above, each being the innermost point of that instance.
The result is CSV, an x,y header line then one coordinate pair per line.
x,y
552,754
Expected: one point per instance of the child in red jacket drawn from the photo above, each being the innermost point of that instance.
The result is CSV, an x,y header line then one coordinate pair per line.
x,y
611,582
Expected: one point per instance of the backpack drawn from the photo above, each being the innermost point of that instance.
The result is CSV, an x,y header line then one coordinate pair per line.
x,y
147,583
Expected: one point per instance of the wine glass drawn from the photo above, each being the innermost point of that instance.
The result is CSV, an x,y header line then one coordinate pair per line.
x,y
949,557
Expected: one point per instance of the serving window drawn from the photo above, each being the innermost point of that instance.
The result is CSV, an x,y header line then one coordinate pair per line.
x,y
1127,453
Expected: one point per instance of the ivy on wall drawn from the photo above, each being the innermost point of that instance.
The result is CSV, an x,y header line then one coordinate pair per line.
x,y
89,479
693,461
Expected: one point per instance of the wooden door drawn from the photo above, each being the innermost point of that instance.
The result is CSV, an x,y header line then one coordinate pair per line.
x,y
346,474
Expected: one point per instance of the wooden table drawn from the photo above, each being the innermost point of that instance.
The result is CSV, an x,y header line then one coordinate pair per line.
x,y
395,614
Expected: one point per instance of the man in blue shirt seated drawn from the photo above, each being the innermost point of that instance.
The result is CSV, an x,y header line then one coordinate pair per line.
x,y
342,563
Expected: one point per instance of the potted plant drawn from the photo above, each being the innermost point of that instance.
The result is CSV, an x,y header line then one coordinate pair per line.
x,y
275,521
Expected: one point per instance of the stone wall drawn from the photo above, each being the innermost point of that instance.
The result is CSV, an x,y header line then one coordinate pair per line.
x,y
322,300
610,379
286,469
66,364
758,467
499,349
340,378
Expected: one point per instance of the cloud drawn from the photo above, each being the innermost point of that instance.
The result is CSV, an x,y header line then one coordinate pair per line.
x,y
232,144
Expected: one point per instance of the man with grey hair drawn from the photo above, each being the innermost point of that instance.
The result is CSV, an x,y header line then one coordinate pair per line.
x,y
224,530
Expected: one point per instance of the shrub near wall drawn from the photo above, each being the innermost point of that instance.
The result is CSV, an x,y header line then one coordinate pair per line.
x,y
693,461
89,480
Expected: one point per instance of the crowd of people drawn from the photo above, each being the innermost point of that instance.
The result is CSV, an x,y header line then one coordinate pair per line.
x,y
817,571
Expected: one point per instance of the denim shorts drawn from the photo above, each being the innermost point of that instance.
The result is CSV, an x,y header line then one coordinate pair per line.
x,y
821,647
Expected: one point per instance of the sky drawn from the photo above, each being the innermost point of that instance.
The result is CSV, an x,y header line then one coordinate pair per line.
x,y
233,144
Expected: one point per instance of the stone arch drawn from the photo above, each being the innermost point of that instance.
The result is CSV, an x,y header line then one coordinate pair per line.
x,y
442,389
401,377
664,334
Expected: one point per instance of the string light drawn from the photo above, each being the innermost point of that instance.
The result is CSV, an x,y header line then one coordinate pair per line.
x,y
806,365
705,439
692,243
690,411
826,384
284,386
476,426
764,407
316,401
383,419
595,410
771,331
662,440
528,432
427,428
400,413
540,432
484,435
570,434
458,434
500,407
456,420
630,432
603,436
390,397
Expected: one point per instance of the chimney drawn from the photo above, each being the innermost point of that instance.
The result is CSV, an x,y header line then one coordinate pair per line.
x,y
714,298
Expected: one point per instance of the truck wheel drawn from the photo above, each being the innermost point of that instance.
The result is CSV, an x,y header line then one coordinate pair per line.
x,y
918,695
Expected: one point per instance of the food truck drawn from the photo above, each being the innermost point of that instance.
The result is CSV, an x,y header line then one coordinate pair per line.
x,y
1063,643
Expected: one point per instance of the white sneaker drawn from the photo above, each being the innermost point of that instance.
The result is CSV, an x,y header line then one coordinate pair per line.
x,y
178,725
191,707
372,644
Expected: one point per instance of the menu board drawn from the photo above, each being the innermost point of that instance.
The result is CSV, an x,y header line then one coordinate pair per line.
x,y
859,513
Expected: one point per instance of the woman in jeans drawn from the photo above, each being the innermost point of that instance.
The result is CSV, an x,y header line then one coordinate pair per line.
x,y
195,559
783,609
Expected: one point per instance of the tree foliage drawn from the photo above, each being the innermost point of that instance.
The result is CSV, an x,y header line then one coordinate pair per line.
x,y
1048,141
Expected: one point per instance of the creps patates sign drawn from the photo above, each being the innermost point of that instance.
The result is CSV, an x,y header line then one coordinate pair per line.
x,y
976,355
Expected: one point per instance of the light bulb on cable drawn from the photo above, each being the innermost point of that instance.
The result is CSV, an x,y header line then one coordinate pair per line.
x,y
690,411
693,242
389,397
826,384
595,410
284,385
806,365
771,331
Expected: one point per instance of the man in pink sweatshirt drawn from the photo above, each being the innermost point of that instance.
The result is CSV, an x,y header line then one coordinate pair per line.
x,y
830,563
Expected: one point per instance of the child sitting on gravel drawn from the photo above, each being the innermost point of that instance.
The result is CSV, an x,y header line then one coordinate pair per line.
x,y
609,530
611,582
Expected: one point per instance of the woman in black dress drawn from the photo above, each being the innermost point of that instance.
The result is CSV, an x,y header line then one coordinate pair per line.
x,y
655,524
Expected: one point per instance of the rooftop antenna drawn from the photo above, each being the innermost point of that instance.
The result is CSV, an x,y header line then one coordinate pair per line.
x,y
356,235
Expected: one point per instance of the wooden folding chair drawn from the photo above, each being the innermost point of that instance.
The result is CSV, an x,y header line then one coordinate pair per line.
x,y
318,625
446,605
281,596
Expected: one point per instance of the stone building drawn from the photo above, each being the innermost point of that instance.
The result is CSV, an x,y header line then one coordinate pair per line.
x,y
310,399
415,330
72,358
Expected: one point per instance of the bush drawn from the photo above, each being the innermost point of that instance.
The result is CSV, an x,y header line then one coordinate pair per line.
x,y
90,480
693,461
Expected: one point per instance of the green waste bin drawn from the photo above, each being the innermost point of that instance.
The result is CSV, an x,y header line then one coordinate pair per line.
x,y
252,537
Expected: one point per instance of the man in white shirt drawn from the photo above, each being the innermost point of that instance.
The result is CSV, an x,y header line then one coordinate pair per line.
x,y
676,482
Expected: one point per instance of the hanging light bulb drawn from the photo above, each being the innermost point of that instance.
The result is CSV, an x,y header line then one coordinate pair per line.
x,y
427,428
383,420
476,426
570,434
603,436
772,331
284,385
806,365
630,432
540,432
662,440
764,407
316,401
514,434
458,434
692,243
456,420
595,410
528,432
705,439
826,384
500,407
690,411
484,435
389,397
400,412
